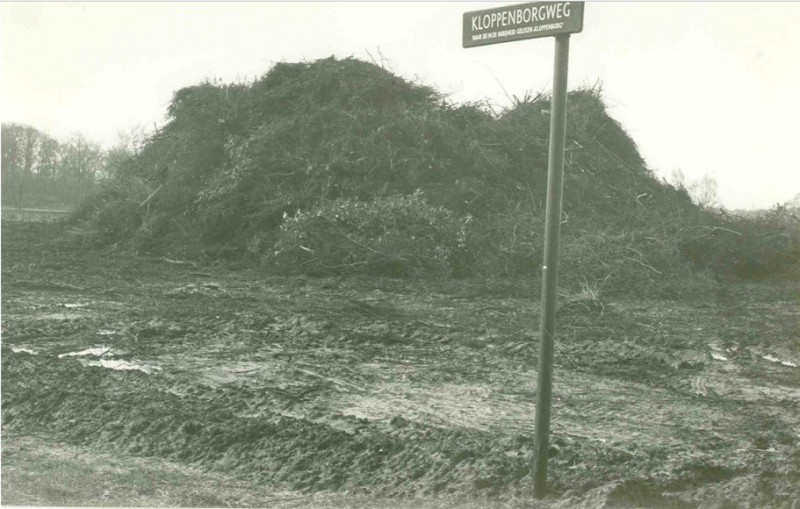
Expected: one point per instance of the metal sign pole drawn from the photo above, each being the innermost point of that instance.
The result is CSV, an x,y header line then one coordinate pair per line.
x,y
530,21
555,181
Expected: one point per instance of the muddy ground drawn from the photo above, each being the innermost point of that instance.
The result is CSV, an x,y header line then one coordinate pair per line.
x,y
400,389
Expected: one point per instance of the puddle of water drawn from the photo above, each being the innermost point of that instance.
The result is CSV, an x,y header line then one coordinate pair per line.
x,y
106,360
96,351
74,305
120,365
59,316
772,358
717,353
17,349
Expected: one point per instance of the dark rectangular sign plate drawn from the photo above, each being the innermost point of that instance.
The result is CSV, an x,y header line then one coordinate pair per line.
x,y
521,21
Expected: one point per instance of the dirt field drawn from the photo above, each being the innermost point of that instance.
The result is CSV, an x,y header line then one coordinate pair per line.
x,y
404,393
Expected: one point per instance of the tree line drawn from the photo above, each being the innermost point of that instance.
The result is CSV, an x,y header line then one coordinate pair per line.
x,y
42,172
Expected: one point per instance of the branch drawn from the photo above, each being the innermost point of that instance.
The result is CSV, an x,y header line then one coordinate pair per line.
x,y
151,196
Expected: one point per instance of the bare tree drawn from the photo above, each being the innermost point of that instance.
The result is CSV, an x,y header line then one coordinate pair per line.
x,y
704,191
19,160
38,170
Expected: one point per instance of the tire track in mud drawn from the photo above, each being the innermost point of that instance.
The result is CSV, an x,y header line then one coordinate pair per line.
x,y
275,432
130,413
246,432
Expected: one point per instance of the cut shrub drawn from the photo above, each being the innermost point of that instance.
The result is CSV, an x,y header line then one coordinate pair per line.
x,y
395,236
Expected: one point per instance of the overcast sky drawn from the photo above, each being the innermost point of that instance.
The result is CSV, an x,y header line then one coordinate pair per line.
x,y
708,89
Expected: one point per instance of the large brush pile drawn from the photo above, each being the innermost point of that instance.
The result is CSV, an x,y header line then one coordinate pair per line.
x,y
339,166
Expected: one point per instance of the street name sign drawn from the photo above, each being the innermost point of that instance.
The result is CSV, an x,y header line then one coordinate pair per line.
x,y
514,23
522,21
